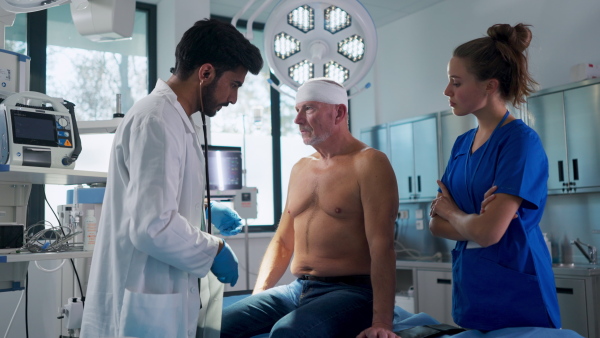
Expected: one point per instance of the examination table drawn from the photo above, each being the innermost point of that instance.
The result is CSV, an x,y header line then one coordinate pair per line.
x,y
405,320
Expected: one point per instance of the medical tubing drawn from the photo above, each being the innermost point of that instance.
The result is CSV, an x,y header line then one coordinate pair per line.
x,y
50,270
26,296
72,263
14,314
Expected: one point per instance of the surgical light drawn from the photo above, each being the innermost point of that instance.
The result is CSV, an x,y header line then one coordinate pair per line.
x,y
285,46
352,47
336,19
336,72
320,38
302,71
302,18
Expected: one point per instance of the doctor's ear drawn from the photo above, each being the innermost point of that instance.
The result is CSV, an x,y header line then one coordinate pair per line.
x,y
206,72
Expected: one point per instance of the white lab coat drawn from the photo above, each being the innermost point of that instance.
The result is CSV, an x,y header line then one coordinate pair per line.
x,y
149,250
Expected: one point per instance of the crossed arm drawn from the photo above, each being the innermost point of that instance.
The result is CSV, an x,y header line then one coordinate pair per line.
x,y
485,228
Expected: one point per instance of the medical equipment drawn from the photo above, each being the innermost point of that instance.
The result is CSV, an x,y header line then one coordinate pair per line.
x,y
38,130
104,20
97,20
72,313
224,167
306,39
14,71
12,236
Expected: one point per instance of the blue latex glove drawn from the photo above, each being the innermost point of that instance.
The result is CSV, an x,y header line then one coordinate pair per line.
x,y
225,219
225,265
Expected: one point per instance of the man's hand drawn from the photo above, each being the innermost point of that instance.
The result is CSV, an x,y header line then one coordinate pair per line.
x,y
225,219
225,265
377,332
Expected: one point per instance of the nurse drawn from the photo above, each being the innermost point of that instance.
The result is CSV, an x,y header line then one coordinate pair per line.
x,y
151,249
501,267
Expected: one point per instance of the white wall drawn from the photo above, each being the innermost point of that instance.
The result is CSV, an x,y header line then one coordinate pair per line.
x,y
409,75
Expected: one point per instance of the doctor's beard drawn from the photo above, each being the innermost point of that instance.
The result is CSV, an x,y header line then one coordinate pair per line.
x,y
208,105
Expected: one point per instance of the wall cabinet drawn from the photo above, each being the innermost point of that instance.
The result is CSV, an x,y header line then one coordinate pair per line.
x,y
414,156
567,120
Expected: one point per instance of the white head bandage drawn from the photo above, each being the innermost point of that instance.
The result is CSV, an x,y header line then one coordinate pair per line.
x,y
324,90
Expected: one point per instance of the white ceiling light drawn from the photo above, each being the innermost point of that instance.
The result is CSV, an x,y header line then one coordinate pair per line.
x,y
331,38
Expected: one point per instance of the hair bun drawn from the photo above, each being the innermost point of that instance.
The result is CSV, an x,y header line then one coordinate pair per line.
x,y
518,37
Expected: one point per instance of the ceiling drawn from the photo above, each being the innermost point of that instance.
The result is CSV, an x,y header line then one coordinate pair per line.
x,y
382,11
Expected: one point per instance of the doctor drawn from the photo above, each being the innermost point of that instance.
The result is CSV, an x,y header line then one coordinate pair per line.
x,y
150,248
501,268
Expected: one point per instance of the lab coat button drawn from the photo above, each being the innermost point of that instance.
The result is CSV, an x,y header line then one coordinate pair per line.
x,y
193,289
190,333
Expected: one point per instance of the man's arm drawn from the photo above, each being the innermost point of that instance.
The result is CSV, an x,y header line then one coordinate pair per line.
x,y
278,255
379,197
280,250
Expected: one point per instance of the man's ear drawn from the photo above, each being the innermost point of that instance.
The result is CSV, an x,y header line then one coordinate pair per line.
x,y
206,73
340,113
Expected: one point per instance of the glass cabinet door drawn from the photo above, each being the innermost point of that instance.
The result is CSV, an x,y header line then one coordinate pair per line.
x,y
426,158
582,120
402,152
547,119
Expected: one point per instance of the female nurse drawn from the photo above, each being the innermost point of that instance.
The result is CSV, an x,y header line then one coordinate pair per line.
x,y
501,267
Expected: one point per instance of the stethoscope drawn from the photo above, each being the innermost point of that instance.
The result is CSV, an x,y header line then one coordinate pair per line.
x,y
208,211
467,175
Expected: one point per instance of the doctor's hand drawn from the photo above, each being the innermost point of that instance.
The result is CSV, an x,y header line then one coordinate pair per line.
x,y
225,219
225,265
443,205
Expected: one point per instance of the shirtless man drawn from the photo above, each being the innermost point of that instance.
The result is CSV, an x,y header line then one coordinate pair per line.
x,y
338,224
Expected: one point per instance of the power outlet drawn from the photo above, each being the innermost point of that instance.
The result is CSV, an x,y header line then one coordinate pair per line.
x,y
419,224
403,214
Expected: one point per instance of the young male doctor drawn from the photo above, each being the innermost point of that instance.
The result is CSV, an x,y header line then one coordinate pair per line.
x,y
151,250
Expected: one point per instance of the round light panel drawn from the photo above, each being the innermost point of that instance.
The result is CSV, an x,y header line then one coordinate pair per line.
x,y
329,38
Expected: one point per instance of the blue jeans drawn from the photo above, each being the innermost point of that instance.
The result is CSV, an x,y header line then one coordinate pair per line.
x,y
302,309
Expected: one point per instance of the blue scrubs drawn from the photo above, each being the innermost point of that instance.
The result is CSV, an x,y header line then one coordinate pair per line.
x,y
510,283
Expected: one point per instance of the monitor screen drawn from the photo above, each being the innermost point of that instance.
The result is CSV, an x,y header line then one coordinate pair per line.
x,y
33,128
224,167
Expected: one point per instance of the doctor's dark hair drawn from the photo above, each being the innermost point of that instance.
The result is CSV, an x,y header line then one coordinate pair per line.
x,y
218,43
502,56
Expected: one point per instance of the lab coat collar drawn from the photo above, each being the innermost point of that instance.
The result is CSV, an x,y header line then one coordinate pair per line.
x,y
163,89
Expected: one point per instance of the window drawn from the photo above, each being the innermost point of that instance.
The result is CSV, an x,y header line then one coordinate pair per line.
x,y
90,74
247,124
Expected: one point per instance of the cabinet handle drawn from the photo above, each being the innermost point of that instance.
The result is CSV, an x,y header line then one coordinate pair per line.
x,y
566,291
410,184
575,169
561,172
419,183
444,281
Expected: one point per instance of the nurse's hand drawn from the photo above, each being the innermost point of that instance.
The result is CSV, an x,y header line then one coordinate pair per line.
x,y
225,219
488,197
225,265
443,205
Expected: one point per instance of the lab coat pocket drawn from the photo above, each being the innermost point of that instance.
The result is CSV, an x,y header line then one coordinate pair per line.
x,y
152,315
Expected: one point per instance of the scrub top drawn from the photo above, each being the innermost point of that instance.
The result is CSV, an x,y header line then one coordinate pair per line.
x,y
510,283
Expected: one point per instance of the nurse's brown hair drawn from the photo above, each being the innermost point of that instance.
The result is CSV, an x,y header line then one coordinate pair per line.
x,y
502,56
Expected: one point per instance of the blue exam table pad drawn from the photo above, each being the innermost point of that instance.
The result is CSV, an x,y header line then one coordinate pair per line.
x,y
405,320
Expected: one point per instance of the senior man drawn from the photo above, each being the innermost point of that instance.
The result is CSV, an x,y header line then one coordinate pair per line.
x,y
337,230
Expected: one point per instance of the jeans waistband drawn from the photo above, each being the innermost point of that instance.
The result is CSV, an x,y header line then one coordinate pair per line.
x,y
352,279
